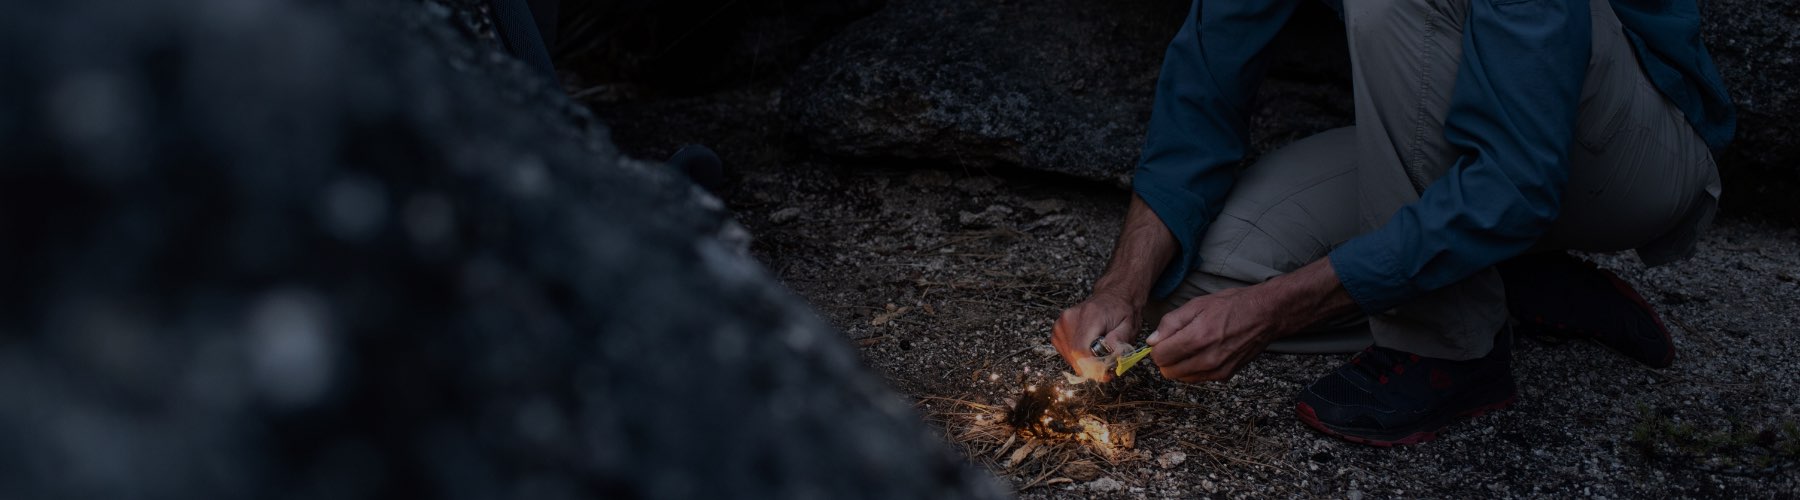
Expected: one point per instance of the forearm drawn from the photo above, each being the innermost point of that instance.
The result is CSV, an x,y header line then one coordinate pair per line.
x,y
1144,248
1306,296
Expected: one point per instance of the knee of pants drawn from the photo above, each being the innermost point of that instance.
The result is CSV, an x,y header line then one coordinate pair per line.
x,y
1294,232
1378,22
1286,211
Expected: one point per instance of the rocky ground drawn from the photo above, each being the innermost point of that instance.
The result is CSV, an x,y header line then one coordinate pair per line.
x,y
943,277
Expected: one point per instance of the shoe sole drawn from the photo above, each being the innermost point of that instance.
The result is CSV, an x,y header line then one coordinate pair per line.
x,y
1311,419
1546,329
1631,293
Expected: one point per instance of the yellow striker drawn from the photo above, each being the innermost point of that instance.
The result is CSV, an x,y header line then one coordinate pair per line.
x,y
1130,360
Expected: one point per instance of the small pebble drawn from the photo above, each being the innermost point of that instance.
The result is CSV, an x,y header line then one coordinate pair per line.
x,y
785,215
1171,459
1105,484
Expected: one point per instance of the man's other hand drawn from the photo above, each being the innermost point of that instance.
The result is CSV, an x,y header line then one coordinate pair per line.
x,y
1212,336
1101,314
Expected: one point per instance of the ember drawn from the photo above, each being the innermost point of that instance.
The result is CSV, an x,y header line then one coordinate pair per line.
x,y
1037,414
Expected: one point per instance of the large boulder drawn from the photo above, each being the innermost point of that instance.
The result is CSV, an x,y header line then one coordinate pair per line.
x,y
301,250
1066,86
1058,85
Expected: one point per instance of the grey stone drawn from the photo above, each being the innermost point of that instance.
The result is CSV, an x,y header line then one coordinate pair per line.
x,y
310,250
785,215
1104,485
1046,206
1171,459
992,216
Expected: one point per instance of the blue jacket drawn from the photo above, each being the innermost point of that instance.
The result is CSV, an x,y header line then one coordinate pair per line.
x,y
1512,114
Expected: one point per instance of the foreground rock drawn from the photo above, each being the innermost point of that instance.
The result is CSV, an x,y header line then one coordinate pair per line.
x,y
262,249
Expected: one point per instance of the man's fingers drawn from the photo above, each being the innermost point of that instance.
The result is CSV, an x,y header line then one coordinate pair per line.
x,y
1067,339
1186,353
1176,320
1075,332
1119,338
1216,363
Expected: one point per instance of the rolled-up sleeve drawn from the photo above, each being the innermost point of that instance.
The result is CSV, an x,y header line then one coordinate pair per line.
x,y
1197,130
1512,117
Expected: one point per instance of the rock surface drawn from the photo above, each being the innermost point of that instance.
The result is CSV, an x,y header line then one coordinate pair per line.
x,y
684,46
1057,85
1755,43
1066,86
274,249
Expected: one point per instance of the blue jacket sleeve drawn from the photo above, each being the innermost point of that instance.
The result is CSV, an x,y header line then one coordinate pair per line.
x,y
1197,126
1512,117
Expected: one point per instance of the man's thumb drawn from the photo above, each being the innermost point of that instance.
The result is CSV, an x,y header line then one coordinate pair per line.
x,y
1155,337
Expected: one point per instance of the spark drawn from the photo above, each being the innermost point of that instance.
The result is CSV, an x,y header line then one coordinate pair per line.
x,y
993,376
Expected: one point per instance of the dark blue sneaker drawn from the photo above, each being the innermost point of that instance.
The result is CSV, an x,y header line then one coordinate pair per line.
x,y
1384,397
1558,296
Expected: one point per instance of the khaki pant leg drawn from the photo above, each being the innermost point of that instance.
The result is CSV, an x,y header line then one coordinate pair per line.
x,y
1288,210
1404,58
1639,175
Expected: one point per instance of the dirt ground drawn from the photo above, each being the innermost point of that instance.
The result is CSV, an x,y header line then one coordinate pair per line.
x,y
946,279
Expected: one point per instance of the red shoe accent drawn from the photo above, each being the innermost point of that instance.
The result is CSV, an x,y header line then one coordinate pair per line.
x,y
1311,419
1440,380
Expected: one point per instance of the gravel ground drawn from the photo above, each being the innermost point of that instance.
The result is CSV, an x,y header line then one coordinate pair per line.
x,y
977,268
945,277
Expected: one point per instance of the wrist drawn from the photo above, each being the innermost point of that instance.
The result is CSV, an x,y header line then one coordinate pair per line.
x,y
1135,296
1306,296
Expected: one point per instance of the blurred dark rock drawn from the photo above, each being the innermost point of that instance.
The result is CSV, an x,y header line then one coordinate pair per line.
x,y
300,250
690,46
1058,85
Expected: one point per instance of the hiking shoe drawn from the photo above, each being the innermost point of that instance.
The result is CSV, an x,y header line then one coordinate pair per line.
x,y
1558,296
1384,397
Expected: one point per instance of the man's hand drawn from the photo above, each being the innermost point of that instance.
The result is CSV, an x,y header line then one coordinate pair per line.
x,y
1101,314
1144,248
1212,336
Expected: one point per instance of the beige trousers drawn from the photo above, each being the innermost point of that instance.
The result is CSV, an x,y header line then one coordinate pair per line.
x,y
1640,178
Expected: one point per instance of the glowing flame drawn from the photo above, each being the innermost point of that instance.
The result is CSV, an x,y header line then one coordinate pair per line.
x,y
1098,369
